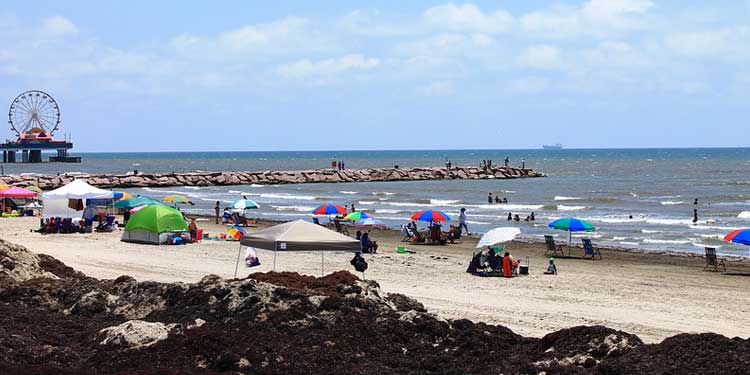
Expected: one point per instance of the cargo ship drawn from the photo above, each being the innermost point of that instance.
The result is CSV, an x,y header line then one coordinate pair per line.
x,y
556,146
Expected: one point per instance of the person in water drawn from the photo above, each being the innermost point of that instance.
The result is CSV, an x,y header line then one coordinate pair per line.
x,y
532,217
551,268
695,216
510,216
489,198
497,199
505,200
695,202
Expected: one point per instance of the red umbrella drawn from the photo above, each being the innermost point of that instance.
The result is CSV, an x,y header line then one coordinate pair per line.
x,y
16,192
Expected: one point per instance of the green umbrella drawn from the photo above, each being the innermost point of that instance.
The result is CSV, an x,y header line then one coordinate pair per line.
x,y
571,224
358,215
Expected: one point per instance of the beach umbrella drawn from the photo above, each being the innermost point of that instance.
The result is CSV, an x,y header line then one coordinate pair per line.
x,y
176,198
244,204
122,195
3,186
498,235
329,209
358,215
35,189
571,224
137,201
236,231
16,192
369,222
430,215
740,236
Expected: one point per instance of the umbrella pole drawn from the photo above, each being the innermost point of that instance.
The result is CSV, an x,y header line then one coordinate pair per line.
x,y
274,256
237,263
570,240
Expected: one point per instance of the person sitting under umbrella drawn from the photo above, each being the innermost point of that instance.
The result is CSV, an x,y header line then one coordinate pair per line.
x,y
367,245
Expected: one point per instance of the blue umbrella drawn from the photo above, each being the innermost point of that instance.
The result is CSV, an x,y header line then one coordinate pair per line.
x,y
740,236
571,224
244,204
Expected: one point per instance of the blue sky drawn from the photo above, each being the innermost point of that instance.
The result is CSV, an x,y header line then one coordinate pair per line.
x,y
242,75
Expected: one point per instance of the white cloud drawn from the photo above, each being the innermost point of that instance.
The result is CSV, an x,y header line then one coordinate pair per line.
x,y
469,18
528,85
541,57
439,88
325,69
594,18
723,44
59,26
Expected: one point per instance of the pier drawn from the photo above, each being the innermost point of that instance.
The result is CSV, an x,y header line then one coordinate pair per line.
x,y
133,180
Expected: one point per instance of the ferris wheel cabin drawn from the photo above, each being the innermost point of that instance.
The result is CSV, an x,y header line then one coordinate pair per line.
x,y
34,116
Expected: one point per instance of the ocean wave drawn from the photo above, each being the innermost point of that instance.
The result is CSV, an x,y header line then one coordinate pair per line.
x,y
502,207
561,198
348,192
665,242
647,231
616,219
288,196
387,211
293,208
478,222
285,214
443,202
366,203
256,185
382,193
670,221
672,203
563,207
744,215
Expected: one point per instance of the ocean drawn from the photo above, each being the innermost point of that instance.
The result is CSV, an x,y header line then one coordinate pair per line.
x,y
657,187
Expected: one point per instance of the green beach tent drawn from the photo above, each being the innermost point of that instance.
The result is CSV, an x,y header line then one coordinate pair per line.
x,y
153,224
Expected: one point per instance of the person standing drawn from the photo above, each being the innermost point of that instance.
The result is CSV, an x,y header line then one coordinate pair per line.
x,y
353,209
507,161
489,198
217,209
523,163
695,216
462,221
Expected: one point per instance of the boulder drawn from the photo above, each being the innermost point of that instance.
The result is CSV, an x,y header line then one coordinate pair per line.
x,y
134,334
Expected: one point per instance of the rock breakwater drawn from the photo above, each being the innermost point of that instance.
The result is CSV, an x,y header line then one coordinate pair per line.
x,y
201,178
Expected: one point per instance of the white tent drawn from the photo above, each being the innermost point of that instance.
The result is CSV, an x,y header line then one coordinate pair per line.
x,y
56,201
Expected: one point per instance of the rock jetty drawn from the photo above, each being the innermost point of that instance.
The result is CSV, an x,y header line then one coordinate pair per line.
x,y
200,178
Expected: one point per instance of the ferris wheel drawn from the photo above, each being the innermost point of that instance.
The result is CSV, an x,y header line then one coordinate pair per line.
x,y
34,111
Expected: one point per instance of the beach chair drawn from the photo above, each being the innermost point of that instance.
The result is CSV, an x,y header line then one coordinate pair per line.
x,y
552,248
589,248
713,262
454,236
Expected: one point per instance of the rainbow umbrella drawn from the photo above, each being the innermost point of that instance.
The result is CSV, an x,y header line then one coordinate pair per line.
x,y
740,236
35,189
123,195
571,224
329,209
236,231
176,198
430,215
358,215
244,204
369,222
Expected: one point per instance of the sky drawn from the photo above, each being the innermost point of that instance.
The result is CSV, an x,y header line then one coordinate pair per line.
x,y
347,75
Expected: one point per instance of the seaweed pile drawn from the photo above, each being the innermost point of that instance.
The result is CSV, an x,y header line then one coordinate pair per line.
x,y
54,320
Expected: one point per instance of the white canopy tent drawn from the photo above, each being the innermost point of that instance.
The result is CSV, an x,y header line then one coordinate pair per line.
x,y
56,202
298,235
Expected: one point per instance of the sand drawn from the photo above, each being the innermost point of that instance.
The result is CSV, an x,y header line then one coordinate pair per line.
x,y
653,296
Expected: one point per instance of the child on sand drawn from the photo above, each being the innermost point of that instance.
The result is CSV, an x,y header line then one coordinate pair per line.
x,y
551,268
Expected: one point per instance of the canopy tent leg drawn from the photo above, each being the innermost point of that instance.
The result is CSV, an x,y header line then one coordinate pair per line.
x,y
237,263
322,272
274,260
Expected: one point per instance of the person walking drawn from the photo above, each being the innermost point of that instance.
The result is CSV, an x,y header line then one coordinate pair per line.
x,y
217,209
462,221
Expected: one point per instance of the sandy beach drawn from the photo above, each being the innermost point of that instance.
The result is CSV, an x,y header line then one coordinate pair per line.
x,y
653,296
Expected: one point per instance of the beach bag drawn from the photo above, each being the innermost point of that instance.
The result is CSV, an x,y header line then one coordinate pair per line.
x,y
251,258
359,263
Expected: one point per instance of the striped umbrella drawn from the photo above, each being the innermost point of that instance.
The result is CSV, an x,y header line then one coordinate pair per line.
x,y
236,231
430,215
35,189
740,236
571,225
244,204
358,215
176,198
329,209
